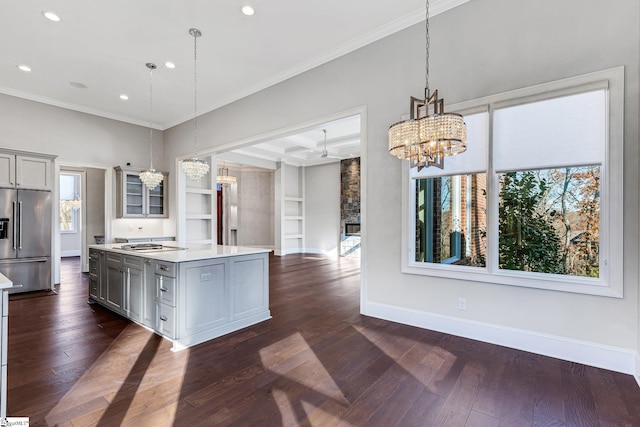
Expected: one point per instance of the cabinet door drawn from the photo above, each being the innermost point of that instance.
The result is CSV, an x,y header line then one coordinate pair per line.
x,y
148,296
134,195
157,200
114,282
7,170
134,287
33,173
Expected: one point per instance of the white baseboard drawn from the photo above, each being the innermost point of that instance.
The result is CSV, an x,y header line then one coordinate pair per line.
x,y
588,353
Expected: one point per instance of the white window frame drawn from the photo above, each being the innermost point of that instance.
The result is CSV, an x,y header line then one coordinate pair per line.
x,y
610,282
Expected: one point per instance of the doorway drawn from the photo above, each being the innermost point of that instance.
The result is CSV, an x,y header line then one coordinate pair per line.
x,y
81,211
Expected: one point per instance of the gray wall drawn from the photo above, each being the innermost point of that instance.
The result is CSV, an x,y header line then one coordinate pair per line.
x,y
322,208
255,208
480,48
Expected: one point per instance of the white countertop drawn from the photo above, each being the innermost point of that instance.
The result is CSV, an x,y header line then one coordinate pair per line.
x,y
191,252
5,282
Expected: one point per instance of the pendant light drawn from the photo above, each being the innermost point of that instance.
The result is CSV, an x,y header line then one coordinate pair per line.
x,y
427,138
151,178
194,167
223,176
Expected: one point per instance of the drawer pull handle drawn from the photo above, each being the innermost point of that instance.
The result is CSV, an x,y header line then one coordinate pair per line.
x,y
163,318
164,290
164,268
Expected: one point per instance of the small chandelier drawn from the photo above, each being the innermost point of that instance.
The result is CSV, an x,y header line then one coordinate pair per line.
x,y
224,177
194,167
426,139
151,178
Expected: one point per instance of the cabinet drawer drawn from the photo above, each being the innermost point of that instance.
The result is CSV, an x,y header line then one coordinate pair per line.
x,y
93,265
166,320
165,268
133,262
166,290
113,259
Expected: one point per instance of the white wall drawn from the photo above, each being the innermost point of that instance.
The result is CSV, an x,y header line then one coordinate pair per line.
x,y
322,208
480,48
80,140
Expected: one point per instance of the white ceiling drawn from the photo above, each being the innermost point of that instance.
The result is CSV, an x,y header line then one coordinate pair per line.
x,y
105,44
304,147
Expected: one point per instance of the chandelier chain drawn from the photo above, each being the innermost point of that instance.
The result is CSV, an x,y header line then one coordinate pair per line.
x,y
195,93
427,43
151,68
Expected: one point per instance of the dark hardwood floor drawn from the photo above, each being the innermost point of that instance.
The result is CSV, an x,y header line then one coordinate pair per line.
x,y
318,362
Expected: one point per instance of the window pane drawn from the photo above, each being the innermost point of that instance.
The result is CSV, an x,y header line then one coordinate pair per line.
x,y
66,216
549,221
451,220
67,186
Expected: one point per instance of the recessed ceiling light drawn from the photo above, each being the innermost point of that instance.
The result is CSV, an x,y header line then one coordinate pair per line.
x,y
248,10
78,85
124,97
24,68
51,16
169,64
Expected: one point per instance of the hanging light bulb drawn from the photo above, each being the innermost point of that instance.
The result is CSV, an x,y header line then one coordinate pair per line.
x,y
151,178
194,167
426,139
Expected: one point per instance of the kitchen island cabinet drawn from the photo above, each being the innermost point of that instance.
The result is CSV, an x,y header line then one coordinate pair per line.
x,y
186,295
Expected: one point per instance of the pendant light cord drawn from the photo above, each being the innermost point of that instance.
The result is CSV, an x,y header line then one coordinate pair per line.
x,y
195,34
151,68
427,42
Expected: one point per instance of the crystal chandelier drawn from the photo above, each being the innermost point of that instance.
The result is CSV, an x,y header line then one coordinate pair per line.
x,y
224,177
151,178
194,167
426,139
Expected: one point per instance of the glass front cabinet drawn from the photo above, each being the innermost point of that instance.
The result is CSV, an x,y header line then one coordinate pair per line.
x,y
135,200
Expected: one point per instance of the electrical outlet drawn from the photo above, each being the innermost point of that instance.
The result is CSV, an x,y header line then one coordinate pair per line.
x,y
462,304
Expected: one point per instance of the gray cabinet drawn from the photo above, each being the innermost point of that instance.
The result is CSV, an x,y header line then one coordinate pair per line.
x,y
133,271
26,170
135,200
188,302
165,298
114,281
205,290
96,275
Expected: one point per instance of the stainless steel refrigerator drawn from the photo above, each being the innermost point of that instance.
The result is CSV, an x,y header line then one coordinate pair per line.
x,y
25,239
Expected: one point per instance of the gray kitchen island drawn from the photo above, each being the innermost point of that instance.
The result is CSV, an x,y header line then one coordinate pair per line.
x,y
188,295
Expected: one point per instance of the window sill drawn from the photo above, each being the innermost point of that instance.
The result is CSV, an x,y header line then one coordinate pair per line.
x,y
572,284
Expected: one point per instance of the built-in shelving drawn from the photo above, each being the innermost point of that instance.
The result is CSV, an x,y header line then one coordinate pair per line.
x,y
289,209
200,207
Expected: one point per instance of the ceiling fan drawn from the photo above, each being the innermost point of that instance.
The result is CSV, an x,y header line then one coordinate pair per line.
x,y
325,153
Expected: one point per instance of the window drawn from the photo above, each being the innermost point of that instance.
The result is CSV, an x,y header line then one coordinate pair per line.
x,y
536,200
69,202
